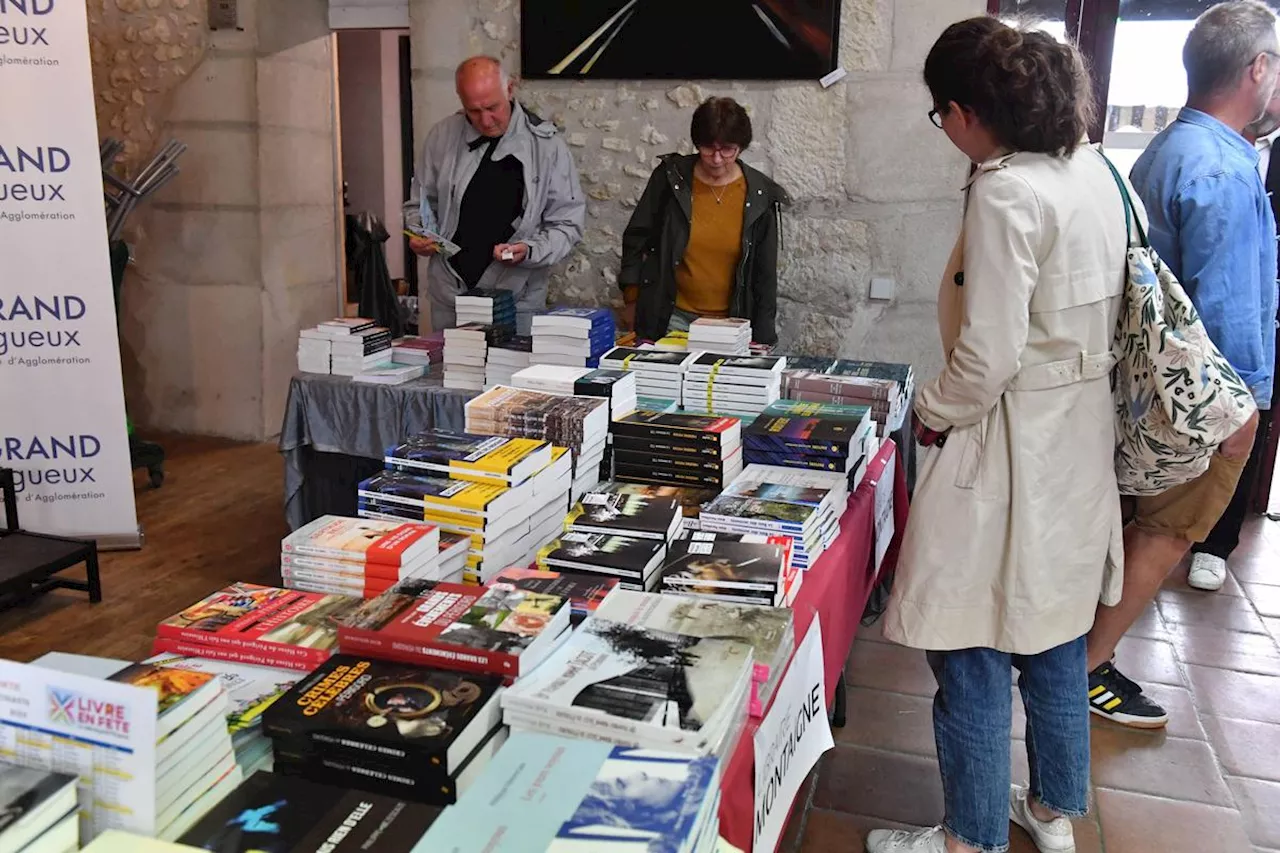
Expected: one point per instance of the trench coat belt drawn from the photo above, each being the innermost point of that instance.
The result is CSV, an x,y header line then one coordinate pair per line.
x,y
1055,374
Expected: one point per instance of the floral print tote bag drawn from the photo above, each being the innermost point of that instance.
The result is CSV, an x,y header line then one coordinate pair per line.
x,y
1177,398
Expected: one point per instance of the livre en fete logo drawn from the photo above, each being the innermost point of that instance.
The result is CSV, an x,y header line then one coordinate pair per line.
x,y
82,711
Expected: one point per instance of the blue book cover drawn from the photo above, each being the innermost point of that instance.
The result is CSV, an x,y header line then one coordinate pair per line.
x,y
546,793
597,316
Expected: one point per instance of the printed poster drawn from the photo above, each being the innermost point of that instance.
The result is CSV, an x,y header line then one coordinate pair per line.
x,y
101,731
884,508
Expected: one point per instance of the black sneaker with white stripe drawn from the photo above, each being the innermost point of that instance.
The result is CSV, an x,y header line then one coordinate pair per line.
x,y
1120,700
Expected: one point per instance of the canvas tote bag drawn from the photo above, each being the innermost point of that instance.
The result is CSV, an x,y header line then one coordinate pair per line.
x,y
1177,398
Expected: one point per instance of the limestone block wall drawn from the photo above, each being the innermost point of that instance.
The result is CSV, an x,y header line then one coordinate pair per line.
x,y
877,187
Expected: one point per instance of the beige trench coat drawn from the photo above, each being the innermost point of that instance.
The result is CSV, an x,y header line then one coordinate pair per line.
x,y
1015,532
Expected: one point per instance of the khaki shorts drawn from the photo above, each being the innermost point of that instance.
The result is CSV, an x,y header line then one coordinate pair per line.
x,y
1191,510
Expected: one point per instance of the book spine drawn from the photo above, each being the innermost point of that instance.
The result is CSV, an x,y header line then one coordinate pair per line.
x,y
258,654
852,390
356,641
782,444
649,431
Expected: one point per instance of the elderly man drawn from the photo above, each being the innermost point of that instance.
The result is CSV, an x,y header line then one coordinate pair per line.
x,y
503,187
1212,224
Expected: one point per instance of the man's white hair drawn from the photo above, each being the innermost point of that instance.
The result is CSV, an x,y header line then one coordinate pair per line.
x,y
503,77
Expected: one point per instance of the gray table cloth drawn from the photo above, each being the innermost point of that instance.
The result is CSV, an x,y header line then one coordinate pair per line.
x,y
332,414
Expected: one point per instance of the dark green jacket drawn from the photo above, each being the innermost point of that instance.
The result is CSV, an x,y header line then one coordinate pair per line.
x,y
653,246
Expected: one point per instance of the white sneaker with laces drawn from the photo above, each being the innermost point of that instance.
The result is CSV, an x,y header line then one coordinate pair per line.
x,y
1207,572
1054,836
907,841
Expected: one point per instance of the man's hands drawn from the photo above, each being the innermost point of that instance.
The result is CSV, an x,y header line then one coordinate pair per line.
x,y
510,253
1240,444
423,247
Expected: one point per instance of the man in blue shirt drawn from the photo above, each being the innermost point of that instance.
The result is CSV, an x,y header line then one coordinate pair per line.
x,y
1211,222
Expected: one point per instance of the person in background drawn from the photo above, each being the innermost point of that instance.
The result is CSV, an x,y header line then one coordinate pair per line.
x,y
1212,225
1015,528
502,185
703,239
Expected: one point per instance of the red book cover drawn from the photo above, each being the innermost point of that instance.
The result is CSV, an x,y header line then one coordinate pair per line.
x,y
297,630
455,626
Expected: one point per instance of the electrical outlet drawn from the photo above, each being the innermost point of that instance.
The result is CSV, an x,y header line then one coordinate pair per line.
x,y
882,289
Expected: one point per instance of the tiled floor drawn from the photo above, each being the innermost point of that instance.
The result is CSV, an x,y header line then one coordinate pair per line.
x,y
1210,783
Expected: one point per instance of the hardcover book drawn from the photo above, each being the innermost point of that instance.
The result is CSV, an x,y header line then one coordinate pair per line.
x,y
408,716
270,813
469,628
365,541
248,623
479,458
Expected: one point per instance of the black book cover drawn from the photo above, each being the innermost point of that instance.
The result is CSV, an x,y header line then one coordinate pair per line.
x,y
599,383
816,363
23,790
810,434
708,465
899,373
373,710
673,446
706,429
648,474
270,813
518,343
742,565
365,776
625,555
794,459
625,514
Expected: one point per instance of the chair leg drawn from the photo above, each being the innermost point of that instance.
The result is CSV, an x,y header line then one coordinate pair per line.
x,y
95,580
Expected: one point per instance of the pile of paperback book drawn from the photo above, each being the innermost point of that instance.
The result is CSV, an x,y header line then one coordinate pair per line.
x,y
574,337
619,386
736,385
720,335
858,417
357,556
486,307
466,352
664,448
741,568
819,443
505,360
659,373
886,388
424,351
343,347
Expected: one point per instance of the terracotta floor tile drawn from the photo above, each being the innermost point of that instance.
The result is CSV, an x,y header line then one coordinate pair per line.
x,y
1246,748
1150,625
1175,768
902,788
1184,722
874,633
1203,646
1259,804
1259,567
1147,661
1177,581
1209,609
887,666
890,721
1133,823
1266,599
1236,694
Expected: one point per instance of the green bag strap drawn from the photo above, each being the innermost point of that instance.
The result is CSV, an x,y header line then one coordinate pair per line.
x,y
1130,213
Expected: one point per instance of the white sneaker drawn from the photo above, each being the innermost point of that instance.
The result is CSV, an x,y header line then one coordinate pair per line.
x,y
1207,572
907,841
1055,836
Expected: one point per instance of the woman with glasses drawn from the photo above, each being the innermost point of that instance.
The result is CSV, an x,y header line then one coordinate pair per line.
x,y
703,240
1015,532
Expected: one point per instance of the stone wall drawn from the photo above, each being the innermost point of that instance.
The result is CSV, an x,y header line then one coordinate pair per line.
x,y
240,250
877,187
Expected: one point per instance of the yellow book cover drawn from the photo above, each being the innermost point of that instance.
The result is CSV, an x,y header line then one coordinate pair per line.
x,y
464,497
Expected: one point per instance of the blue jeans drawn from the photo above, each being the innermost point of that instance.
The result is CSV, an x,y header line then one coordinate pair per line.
x,y
972,722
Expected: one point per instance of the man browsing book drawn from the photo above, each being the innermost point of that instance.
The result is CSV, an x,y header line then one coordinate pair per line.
x,y
501,183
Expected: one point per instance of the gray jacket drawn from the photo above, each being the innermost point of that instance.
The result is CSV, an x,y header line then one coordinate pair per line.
x,y
554,205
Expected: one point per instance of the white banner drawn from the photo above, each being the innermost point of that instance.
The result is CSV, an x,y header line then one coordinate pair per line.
x,y
62,418
885,487
101,731
790,740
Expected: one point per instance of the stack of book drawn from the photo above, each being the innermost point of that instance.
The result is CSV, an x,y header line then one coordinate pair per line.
x,y
315,352
632,561
489,630
585,591
396,729
356,345
769,631
551,793
741,385
643,516
505,360
486,307
737,568
390,374
721,335
833,444
856,416
575,337
702,451
412,349
886,388
659,373
250,690
618,385
637,686
357,556
272,813
40,811
691,498
466,351
263,625
816,363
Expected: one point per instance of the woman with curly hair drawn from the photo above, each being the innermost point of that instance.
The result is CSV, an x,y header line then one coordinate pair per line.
x,y
1015,528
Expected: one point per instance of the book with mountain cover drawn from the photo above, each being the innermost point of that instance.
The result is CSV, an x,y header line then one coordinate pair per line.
x,y
627,515
788,516
419,720
480,458
808,435
855,414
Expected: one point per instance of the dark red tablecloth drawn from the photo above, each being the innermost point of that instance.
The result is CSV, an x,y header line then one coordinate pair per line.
x,y
837,589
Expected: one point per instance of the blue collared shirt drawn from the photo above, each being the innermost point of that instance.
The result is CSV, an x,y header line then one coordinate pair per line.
x,y
1211,222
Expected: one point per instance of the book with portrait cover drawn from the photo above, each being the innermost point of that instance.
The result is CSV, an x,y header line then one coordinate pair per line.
x,y
268,626
417,717
270,813
470,628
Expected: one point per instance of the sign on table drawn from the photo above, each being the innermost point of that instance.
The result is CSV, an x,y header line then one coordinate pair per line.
x,y
791,738
884,507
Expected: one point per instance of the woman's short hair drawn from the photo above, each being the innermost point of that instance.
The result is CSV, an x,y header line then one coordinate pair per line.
x,y
720,121
1223,43
1029,89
